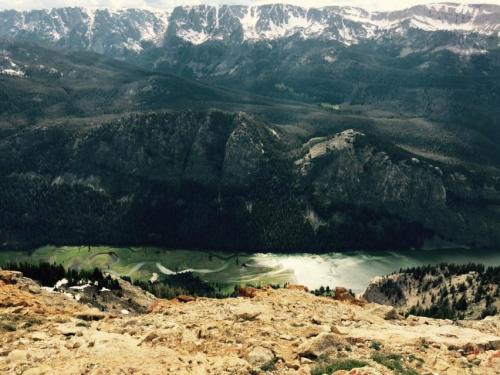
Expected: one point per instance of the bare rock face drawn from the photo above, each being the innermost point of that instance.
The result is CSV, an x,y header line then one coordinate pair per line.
x,y
352,167
373,293
361,171
186,146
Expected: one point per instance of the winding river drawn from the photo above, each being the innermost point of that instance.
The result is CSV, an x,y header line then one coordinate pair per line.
x,y
353,270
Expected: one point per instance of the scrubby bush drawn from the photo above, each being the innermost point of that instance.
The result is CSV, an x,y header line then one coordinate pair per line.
x,y
330,366
393,362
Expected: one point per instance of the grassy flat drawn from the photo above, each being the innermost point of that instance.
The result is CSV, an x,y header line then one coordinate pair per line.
x,y
141,262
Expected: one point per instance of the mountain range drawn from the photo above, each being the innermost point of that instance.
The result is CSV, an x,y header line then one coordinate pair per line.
x,y
271,127
134,30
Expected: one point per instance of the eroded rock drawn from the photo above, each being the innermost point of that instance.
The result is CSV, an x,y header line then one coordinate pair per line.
x,y
261,357
323,344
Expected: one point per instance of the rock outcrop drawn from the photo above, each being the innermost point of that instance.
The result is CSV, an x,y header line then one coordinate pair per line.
x,y
295,332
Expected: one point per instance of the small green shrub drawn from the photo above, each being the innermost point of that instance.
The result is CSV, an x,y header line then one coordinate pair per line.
x,y
270,366
376,345
413,358
32,322
331,366
393,362
7,326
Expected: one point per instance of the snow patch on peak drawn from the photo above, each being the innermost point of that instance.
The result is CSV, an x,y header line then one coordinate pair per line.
x,y
271,25
249,23
194,37
8,67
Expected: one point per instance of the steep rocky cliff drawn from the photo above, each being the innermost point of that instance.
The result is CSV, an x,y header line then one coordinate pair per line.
x,y
354,171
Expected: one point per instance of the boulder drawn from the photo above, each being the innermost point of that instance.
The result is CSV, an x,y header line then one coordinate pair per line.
x,y
261,357
392,314
149,337
90,316
494,344
301,288
248,311
35,371
39,336
316,320
311,331
248,292
342,294
186,298
10,277
334,329
67,331
323,344
17,355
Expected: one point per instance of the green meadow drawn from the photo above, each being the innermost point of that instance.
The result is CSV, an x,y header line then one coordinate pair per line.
x,y
142,262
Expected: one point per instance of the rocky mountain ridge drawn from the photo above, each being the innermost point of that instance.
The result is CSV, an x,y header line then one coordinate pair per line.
x,y
131,31
445,291
160,177
285,331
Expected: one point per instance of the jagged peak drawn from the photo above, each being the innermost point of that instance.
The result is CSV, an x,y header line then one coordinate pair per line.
x,y
198,24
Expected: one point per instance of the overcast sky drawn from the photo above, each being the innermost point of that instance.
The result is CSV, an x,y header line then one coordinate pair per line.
x,y
166,4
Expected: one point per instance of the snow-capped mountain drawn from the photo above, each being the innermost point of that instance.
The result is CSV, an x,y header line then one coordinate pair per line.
x,y
98,30
133,30
345,24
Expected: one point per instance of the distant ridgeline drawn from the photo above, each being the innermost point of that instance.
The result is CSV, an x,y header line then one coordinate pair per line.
x,y
445,291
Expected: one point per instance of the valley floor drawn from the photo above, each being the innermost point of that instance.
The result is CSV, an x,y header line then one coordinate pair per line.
x,y
285,331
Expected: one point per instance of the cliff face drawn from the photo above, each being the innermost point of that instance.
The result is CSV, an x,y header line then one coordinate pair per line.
x,y
286,331
351,168
162,177
352,171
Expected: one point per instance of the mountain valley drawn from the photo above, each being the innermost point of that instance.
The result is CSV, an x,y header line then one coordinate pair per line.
x,y
250,189
275,139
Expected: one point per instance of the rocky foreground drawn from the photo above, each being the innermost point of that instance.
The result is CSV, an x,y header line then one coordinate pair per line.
x,y
285,331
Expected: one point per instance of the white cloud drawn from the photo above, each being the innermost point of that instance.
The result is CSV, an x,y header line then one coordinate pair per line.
x,y
166,4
